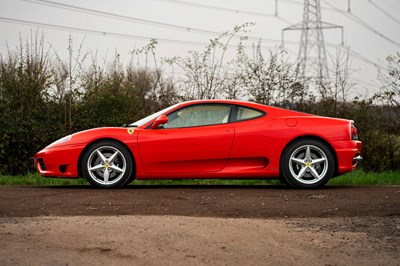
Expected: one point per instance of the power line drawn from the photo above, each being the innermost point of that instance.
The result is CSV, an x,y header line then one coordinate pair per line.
x,y
151,22
362,23
392,6
384,12
137,20
231,10
139,37
354,53
293,2
357,19
359,56
117,16
96,32
147,38
113,34
366,60
107,33
367,26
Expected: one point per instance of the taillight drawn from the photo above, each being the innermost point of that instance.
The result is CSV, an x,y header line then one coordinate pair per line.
x,y
354,133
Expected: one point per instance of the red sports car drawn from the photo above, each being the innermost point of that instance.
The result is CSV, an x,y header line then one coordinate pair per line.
x,y
209,139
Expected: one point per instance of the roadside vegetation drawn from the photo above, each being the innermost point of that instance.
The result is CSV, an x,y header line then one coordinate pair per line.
x,y
44,97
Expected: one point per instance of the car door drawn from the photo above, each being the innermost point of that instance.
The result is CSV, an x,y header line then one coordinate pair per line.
x,y
249,150
196,139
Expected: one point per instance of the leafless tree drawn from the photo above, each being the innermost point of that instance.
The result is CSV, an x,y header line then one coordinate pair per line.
x,y
205,75
269,78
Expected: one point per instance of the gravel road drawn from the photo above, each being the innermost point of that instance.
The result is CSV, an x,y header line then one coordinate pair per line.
x,y
199,225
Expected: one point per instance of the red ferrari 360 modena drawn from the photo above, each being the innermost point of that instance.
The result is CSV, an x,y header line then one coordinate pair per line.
x,y
209,139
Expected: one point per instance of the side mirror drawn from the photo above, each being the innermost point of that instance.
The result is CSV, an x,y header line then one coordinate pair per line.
x,y
162,119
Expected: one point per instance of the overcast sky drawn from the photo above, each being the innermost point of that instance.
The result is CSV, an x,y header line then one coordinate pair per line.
x,y
371,29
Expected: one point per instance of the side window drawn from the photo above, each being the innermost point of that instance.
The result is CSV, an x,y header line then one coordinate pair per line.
x,y
244,113
199,115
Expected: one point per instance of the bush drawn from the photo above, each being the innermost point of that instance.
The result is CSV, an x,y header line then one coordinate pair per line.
x,y
42,101
40,104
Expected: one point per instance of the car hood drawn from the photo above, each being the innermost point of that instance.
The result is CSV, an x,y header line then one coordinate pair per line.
x,y
90,135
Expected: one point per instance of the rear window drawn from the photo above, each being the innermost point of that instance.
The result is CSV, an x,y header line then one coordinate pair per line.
x,y
245,113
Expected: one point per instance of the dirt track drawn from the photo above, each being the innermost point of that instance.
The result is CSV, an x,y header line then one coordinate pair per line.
x,y
199,225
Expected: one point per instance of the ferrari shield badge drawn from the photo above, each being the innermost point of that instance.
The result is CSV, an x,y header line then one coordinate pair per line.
x,y
130,131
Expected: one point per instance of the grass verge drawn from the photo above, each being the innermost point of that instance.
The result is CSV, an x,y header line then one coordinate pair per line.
x,y
354,178
37,180
359,177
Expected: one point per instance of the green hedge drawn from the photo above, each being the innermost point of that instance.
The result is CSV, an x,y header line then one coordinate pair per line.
x,y
42,101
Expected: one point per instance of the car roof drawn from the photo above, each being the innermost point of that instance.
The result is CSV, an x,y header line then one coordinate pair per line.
x,y
271,110
224,101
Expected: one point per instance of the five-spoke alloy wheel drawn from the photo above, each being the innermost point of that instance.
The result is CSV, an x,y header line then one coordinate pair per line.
x,y
307,163
107,164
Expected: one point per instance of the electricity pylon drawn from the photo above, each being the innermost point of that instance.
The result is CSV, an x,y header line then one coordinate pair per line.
x,y
312,52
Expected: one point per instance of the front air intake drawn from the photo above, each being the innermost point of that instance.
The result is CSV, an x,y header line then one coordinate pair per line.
x,y
42,164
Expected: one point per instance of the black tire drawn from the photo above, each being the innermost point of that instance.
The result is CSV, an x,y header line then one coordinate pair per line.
x,y
107,164
307,163
130,179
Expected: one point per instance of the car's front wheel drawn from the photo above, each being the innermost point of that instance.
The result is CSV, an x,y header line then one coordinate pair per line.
x,y
308,163
107,164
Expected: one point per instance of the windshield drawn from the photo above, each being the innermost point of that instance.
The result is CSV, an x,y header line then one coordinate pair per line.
x,y
147,119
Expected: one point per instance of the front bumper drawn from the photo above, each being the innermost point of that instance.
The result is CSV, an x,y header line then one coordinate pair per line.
x,y
59,161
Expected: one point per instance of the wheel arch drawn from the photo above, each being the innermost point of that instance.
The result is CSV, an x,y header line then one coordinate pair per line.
x,y
80,174
313,137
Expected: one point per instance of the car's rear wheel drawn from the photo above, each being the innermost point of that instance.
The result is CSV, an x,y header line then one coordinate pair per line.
x,y
308,163
107,164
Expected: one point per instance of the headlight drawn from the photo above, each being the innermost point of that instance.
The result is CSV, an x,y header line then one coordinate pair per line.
x,y
62,140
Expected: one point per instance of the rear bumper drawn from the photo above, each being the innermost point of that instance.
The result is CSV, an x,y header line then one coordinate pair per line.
x,y
58,161
348,155
357,159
